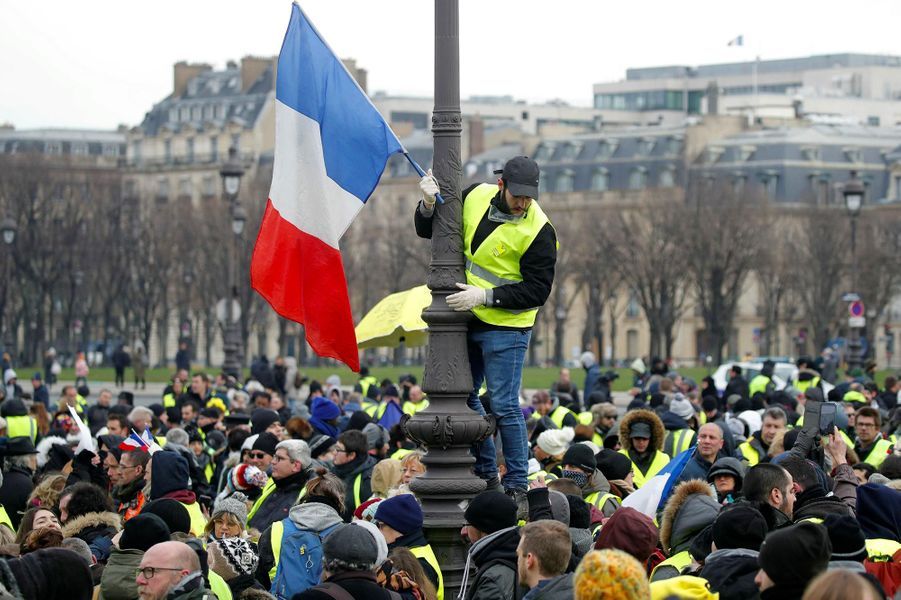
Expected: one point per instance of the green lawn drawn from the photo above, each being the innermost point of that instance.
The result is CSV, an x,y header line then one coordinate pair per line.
x,y
533,377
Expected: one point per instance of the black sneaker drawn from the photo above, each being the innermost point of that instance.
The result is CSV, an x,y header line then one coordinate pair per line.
x,y
493,484
522,502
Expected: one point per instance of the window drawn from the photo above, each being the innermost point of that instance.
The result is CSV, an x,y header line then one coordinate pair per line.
x,y
674,146
600,180
713,154
853,155
167,151
53,148
183,113
564,182
873,121
79,149
236,141
189,150
811,153
209,185
219,111
162,188
770,182
195,113
136,151
214,148
185,187
632,343
544,152
646,146
632,306
638,178
746,152
667,177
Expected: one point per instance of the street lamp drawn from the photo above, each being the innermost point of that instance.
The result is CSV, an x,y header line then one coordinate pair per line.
x,y
231,174
9,230
448,428
853,192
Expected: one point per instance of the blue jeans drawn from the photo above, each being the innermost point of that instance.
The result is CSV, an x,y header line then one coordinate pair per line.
x,y
496,356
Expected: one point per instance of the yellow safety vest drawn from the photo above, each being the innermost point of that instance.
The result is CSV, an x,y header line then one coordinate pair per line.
x,y
496,260
750,453
267,491
219,587
198,521
881,550
878,453
557,415
678,441
169,400
680,561
638,478
803,386
24,426
411,408
5,520
429,556
599,500
758,384
400,453
370,407
585,417
367,381
80,403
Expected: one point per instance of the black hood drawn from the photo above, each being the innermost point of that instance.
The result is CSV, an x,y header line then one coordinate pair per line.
x,y
731,573
672,421
14,407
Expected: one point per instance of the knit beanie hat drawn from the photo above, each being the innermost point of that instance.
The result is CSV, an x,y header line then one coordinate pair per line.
x,y
579,512
143,531
380,542
491,511
681,406
559,506
580,456
245,477
266,442
232,557
360,510
610,575
236,505
173,513
795,554
321,445
402,513
739,526
325,409
630,531
555,441
612,464
351,547
848,541
262,418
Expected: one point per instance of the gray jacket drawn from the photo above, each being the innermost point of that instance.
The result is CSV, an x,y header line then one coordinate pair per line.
x,y
559,588
494,558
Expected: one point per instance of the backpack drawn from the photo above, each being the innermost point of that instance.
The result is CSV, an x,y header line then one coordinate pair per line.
x,y
300,560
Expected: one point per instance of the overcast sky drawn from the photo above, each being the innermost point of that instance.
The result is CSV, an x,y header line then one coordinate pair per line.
x,y
100,63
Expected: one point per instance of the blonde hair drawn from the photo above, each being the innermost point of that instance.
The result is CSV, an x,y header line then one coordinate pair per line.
x,y
415,455
838,584
47,492
386,474
229,519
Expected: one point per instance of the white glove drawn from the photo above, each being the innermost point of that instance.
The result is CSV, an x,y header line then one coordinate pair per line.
x,y
468,299
429,187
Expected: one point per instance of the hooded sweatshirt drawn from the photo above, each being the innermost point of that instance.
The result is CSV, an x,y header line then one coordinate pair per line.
x,y
494,558
314,516
731,572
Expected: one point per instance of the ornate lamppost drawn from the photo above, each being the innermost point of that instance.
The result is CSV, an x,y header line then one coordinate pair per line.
x,y
231,173
853,192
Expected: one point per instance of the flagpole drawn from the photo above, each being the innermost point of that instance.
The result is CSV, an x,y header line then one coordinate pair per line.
x,y
421,173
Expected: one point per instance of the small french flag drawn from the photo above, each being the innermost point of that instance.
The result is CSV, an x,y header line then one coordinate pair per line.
x,y
143,442
739,41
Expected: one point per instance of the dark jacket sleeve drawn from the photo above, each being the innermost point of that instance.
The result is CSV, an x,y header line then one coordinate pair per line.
x,y
267,559
537,269
539,505
423,224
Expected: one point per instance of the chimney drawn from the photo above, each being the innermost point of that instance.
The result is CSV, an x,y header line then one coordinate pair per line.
x,y
183,73
476,136
252,67
356,72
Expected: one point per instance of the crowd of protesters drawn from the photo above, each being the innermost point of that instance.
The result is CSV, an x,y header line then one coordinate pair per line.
x,y
252,491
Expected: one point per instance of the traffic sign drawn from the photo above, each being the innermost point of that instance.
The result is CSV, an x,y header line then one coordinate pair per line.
x,y
850,297
855,309
857,322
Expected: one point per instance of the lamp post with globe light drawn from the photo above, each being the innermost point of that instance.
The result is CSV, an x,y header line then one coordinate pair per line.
x,y
853,193
231,173
8,229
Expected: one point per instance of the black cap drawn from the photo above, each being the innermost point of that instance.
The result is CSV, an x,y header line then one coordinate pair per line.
x,y
521,175
491,511
580,455
19,446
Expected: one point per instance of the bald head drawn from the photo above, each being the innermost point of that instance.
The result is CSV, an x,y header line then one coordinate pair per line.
x,y
710,441
173,554
167,564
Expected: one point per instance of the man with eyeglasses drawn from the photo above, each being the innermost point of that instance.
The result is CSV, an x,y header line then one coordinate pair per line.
x,y
870,446
171,571
290,472
129,490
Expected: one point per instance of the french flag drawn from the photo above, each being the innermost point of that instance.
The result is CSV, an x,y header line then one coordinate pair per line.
x,y
652,496
331,147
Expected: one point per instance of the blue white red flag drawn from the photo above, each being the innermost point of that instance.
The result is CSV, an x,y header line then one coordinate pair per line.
x,y
651,496
331,147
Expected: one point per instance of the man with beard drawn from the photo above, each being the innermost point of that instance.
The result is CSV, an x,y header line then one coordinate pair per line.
x,y
772,489
758,445
129,492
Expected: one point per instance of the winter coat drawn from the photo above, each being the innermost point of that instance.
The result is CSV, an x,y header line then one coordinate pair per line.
x,y
494,558
277,505
814,503
691,508
348,473
731,572
558,588
879,511
361,585
695,468
95,528
17,486
42,395
314,516
118,579
592,375
658,432
597,483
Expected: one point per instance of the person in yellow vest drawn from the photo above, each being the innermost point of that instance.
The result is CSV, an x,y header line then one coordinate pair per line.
x,y
641,436
175,389
580,466
545,406
681,423
691,508
417,401
755,449
510,249
400,521
870,447
550,448
69,396
603,420
291,462
762,383
18,422
366,381
169,479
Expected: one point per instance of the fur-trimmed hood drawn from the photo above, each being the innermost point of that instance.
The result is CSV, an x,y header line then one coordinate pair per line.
x,y
691,508
44,447
92,520
658,433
